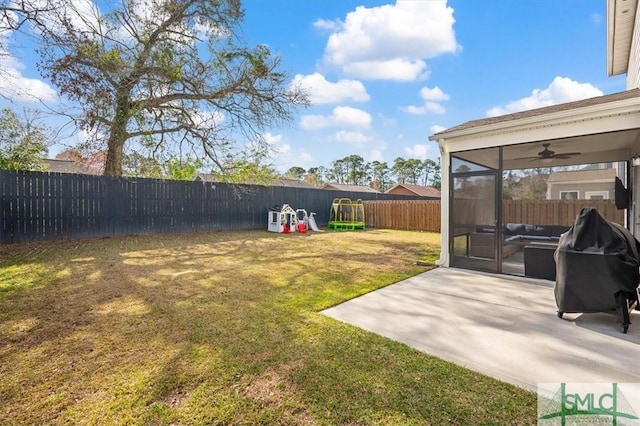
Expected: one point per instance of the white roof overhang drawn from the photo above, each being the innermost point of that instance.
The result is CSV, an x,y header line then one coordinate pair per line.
x,y
620,22
602,132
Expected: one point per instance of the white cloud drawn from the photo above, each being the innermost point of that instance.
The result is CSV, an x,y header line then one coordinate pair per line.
x,y
561,90
419,151
351,137
277,148
341,116
325,24
433,107
283,149
83,15
391,41
596,18
394,69
437,128
432,99
271,139
14,85
321,91
436,94
416,110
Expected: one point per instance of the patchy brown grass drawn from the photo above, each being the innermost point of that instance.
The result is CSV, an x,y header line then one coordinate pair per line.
x,y
223,328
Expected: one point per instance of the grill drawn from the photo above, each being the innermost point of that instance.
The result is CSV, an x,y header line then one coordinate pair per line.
x,y
597,268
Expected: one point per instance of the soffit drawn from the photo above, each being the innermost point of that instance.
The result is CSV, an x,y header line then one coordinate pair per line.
x,y
592,148
621,16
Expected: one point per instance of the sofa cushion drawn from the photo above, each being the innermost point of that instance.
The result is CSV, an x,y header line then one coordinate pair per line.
x,y
527,229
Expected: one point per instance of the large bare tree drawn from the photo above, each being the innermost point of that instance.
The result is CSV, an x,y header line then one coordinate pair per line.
x,y
165,73
14,14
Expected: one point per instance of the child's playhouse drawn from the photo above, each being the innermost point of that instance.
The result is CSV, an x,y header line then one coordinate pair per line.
x,y
286,220
282,219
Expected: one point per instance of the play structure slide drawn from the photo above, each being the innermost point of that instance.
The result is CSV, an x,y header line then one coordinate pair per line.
x,y
312,223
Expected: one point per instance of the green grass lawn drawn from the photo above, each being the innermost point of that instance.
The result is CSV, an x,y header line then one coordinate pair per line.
x,y
224,328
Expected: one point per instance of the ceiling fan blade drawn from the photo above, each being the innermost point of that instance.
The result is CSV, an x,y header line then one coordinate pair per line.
x,y
568,153
540,156
527,158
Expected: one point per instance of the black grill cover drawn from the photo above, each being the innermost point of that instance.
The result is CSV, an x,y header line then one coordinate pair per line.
x,y
595,260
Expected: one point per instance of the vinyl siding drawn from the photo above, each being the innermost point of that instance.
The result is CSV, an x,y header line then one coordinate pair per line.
x,y
582,189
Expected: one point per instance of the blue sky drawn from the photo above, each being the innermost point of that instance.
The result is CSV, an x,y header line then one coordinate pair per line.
x,y
383,76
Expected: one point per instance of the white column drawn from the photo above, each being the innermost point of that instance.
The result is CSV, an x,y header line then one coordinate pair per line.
x,y
444,205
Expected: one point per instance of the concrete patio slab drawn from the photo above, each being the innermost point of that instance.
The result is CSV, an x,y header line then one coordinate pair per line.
x,y
504,327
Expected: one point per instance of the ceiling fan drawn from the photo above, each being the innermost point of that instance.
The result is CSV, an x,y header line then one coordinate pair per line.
x,y
547,154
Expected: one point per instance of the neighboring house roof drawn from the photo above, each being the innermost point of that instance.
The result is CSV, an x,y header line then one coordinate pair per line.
x,y
290,183
423,191
69,166
350,188
583,176
568,106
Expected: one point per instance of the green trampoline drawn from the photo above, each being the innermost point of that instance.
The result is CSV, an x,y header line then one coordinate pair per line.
x,y
346,215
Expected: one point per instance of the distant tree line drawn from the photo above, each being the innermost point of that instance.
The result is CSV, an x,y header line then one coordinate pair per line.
x,y
353,170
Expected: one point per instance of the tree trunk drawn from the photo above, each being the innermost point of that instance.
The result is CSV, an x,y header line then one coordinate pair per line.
x,y
113,165
117,137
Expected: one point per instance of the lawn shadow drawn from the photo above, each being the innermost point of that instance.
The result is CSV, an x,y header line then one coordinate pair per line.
x,y
150,325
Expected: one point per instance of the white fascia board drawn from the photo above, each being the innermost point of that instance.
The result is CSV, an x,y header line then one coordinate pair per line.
x,y
611,31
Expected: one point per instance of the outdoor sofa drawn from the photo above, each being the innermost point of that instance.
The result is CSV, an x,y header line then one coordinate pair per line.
x,y
538,241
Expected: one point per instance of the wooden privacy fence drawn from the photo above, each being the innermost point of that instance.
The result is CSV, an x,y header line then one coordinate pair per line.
x,y
556,212
424,215
415,215
54,206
